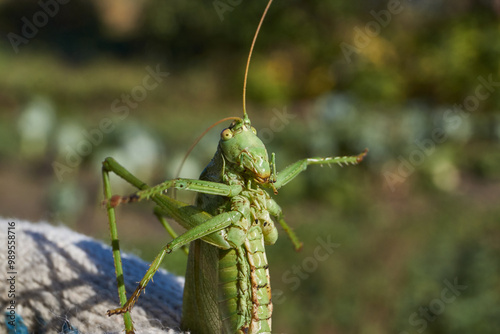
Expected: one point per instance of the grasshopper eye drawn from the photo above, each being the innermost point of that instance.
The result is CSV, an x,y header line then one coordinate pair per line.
x,y
226,134
253,130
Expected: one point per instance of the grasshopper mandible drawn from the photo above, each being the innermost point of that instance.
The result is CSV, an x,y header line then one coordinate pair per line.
x,y
227,287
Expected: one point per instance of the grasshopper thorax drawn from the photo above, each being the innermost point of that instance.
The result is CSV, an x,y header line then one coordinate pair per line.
x,y
245,151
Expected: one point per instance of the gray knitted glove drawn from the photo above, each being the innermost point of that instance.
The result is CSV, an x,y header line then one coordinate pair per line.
x,y
64,282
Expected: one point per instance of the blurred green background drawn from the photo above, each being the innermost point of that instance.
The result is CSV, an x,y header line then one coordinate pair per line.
x,y
417,82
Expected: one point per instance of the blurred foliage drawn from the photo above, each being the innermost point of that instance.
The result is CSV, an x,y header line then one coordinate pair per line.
x,y
422,208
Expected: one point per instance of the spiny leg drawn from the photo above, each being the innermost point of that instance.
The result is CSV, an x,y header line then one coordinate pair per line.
x,y
201,186
290,172
214,224
127,306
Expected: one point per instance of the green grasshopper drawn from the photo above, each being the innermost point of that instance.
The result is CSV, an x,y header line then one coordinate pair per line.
x,y
227,287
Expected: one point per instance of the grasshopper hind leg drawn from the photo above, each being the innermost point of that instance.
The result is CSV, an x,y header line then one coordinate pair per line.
x,y
115,244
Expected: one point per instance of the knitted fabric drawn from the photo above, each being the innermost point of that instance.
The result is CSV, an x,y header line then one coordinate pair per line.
x,y
67,280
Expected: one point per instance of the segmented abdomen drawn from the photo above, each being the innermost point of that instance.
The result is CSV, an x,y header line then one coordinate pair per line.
x,y
262,307
244,294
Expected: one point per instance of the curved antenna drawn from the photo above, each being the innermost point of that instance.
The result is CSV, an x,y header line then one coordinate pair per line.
x,y
198,140
245,115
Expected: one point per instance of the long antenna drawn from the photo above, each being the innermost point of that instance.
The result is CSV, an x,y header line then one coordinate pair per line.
x,y
245,116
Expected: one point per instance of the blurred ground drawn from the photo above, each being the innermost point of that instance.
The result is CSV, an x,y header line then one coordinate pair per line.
x,y
415,82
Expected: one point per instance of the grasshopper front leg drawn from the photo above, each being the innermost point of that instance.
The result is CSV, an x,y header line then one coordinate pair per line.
x,y
290,172
206,187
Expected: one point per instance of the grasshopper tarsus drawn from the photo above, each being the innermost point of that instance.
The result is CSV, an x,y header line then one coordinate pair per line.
x,y
120,310
129,304
361,156
299,247
116,200
115,311
113,202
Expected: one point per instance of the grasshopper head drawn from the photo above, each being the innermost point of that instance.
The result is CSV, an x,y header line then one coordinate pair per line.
x,y
241,146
